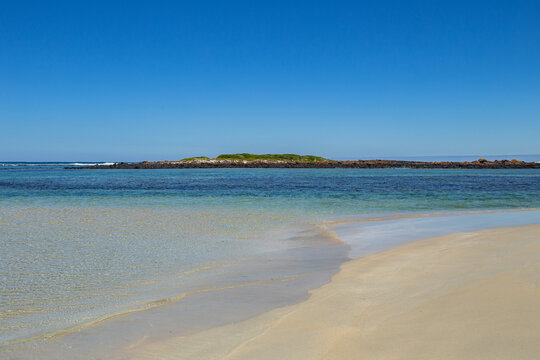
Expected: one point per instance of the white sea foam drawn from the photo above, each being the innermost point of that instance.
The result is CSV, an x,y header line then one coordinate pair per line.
x,y
45,164
92,164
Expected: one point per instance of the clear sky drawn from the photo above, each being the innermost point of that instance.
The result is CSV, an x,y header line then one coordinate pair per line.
x,y
133,80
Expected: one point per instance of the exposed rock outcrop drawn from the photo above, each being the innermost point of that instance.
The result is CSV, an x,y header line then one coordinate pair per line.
x,y
358,164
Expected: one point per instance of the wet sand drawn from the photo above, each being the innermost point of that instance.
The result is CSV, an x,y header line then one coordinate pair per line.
x,y
472,295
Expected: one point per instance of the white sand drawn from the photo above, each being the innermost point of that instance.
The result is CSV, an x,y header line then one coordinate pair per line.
x,y
464,296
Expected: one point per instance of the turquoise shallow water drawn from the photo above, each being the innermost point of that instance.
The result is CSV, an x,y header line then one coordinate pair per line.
x,y
80,244
325,191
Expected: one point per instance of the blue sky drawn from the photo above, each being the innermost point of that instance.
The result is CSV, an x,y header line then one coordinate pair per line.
x,y
133,80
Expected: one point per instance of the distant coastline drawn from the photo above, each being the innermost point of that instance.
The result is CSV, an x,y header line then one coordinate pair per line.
x,y
284,161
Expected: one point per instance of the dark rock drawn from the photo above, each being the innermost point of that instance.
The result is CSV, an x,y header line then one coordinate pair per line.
x,y
359,164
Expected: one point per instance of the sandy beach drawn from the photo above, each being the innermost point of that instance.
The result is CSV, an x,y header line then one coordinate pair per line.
x,y
473,295
300,180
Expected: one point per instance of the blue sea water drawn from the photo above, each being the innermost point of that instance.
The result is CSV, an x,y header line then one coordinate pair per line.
x,y
325,191
77,245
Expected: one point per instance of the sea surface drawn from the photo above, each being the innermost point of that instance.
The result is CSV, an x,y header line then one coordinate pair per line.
x,y
80,247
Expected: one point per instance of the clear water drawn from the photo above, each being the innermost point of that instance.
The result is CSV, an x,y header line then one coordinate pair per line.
x,y
370,237
311,191
77,245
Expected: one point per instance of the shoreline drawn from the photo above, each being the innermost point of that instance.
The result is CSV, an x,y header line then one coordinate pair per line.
x,y
121,323
438,298
287,273
324,230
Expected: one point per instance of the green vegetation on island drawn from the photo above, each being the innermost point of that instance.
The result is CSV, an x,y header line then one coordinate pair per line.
x,y
255,157
196,158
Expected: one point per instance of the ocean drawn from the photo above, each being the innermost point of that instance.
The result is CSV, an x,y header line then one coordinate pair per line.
x,y
82,249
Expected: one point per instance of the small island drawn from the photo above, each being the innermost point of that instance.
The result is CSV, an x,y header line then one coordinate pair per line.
x,y
247,160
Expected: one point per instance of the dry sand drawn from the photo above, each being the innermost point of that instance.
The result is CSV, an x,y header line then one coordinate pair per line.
x,y
471,295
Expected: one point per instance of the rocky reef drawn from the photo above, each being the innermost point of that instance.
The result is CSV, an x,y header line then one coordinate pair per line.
x,y
207,163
